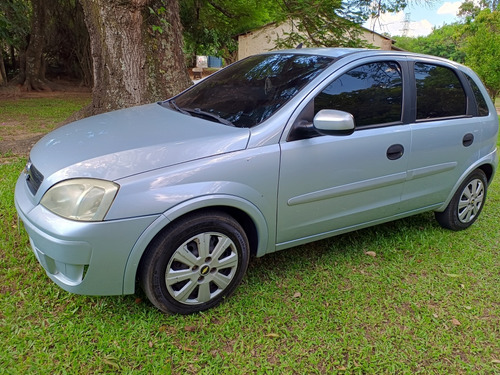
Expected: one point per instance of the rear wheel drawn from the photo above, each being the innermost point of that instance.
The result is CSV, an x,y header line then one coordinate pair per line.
x,y
195,264
467,203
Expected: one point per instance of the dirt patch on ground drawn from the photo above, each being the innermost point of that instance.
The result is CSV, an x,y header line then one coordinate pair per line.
x,y
15,139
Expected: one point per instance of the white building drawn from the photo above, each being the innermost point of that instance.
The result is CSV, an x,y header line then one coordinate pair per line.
x,y
263,39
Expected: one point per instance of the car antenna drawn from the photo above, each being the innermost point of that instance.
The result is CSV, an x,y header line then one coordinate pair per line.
x,y
299,46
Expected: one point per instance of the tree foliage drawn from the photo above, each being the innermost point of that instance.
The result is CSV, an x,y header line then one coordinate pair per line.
x,y
319,23
14,22
443,42
14,27
470,9
211,26
482,48
332,23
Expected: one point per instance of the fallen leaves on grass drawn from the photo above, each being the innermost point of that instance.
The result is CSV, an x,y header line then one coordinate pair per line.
x,y
371,253
111,362
273,335
455,322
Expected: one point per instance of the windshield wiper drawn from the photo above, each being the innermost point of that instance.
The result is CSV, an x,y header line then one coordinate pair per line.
x,y
199,112
177,108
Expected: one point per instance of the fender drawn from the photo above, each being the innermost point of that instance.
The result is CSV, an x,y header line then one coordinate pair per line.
x,y
265,240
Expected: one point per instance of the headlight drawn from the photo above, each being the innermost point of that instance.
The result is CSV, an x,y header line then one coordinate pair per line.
x,y
81,199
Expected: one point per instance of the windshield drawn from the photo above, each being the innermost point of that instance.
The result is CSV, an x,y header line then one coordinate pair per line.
x,y
252,90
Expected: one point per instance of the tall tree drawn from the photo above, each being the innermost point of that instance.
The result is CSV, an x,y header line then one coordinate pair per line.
x,y
67,44
32,76
136,52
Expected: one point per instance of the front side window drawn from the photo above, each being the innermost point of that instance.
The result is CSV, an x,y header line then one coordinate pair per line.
x,y
439,92
252,90
372,93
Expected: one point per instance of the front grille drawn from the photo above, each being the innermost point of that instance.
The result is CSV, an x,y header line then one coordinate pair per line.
x,y
33,177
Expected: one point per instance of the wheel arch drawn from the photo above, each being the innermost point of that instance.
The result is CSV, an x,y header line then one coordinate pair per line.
x,y
488,171
247,215
487,168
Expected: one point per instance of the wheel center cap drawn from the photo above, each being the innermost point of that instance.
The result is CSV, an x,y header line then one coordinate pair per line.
x,y
204,270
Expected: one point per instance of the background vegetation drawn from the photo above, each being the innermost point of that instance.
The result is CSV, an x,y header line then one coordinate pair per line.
x,y
474,41
406,297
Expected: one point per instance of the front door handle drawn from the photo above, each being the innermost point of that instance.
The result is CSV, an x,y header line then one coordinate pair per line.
x,y
394,152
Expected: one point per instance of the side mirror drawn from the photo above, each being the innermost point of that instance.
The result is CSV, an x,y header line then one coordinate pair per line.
x,y
333,122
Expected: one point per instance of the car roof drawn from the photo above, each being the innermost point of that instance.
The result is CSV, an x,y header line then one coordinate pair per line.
x,y
338,53
330,52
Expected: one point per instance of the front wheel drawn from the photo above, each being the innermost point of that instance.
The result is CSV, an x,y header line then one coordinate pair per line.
x,y
467,203
195,264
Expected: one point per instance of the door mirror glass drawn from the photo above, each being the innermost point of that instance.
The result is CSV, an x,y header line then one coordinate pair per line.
x,y
334,122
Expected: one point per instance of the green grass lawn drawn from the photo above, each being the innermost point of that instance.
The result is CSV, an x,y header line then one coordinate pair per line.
x,y
427,303
38,114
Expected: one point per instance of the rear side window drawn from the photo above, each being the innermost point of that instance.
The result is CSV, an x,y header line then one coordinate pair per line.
x,y
372,93
482,107
439,92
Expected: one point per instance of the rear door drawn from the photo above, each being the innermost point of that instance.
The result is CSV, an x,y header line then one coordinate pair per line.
x,y
445,135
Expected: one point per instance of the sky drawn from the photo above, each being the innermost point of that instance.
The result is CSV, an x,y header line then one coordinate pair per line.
x,y
423,17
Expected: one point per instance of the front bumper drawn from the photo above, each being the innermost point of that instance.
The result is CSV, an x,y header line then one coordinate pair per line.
x,y
81,257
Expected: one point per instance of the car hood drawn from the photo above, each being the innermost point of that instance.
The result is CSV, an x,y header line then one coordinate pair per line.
x,y
130,141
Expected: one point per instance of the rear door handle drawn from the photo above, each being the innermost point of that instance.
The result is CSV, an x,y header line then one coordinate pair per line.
x,y
468,139
394,152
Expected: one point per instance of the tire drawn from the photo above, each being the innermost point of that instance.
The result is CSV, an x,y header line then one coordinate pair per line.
x,y
467,203
195,264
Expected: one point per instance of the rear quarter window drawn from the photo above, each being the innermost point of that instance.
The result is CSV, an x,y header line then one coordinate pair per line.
x,y
482,107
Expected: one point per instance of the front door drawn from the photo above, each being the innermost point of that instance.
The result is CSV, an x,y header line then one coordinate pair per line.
x,y
333,183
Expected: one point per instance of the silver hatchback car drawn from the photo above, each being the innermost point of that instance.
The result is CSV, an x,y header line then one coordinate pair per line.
x,y
271,152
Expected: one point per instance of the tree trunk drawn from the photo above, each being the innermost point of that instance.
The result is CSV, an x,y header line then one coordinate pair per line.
x,y
82,48
33,76
136,48
3,74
